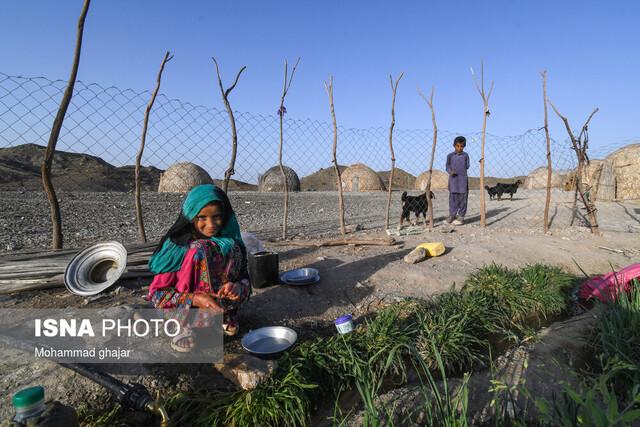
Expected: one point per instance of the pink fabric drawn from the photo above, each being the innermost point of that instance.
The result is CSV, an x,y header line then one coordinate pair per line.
x,y
605,288
183,279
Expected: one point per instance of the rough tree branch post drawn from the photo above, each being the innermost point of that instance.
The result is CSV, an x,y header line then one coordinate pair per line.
x,y
288,79
142,236
329,88
429,102
547,201
45,169
234,134
394,89
485,101
580,145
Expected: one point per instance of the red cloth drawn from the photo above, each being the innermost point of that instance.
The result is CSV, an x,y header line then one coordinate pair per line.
x,y
607,287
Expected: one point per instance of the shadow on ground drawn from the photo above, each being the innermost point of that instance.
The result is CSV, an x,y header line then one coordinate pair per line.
x,y
341,285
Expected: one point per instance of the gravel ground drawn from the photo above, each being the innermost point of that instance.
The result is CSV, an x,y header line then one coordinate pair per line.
x,y
91,217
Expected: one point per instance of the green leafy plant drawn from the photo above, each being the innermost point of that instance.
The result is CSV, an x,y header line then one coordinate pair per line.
x,y
516,301
280,401
115,416
440,405
616,337
594,403
452,331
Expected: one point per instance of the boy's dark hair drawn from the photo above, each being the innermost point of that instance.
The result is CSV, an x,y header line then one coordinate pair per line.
x,y
460,139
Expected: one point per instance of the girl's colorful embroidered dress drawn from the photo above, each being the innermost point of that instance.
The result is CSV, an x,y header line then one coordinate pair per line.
x,y
185,265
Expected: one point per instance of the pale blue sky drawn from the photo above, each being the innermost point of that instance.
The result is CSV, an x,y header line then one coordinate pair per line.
x,y
590,49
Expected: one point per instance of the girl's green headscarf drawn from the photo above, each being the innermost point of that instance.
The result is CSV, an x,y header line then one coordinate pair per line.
x,y
170,253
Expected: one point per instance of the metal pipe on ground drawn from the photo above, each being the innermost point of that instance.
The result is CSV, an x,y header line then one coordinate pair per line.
x,y
131,396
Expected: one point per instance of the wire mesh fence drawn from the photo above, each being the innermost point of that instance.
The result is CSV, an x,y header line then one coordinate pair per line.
x,y
101,135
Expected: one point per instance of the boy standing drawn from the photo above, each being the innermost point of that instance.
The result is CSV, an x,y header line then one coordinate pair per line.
x,y
457,165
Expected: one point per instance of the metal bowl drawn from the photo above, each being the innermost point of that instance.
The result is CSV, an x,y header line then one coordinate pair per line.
x,y
284,282
96,268
301,275
269,340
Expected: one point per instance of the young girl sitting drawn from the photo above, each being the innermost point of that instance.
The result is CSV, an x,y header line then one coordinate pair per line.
x,y
201,262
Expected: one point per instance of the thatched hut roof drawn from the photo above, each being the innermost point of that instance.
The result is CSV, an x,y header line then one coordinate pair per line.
x,y
537,179
359,177
271,180
626,171
439,180
182,177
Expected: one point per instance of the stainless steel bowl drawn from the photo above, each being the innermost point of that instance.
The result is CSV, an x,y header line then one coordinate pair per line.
x,y
269,340
284,282
96,268
301,275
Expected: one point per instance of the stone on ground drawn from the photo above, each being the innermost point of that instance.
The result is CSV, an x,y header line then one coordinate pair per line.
x,y
415,256
244,370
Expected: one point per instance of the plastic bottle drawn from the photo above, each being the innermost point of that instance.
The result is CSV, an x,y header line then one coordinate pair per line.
x,y
31,409
28,403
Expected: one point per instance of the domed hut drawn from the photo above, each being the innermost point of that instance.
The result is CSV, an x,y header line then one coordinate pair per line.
x,y
271,180
439,180
182,177
537,179
360,177
620,175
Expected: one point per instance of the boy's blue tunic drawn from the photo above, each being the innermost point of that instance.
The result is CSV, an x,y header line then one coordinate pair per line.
x,y
458,163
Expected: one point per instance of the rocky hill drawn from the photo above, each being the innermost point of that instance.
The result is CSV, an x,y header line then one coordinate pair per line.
x,y
235,185
20,169
402,180
323,180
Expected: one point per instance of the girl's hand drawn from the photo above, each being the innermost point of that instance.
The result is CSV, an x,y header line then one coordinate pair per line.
x,y
202,300
230,290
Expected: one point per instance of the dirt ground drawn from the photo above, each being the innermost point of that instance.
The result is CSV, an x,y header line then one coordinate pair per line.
x,y
354,280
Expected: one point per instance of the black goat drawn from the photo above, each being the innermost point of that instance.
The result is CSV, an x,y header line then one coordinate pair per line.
x,y
493,191
417,204
509,189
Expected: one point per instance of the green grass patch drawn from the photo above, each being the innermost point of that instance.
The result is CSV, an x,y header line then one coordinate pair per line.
x,y
452,334
440,405
452,331
616,335
114,417
516,302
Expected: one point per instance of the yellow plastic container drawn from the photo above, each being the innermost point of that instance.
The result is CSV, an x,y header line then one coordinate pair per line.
x,y
433,248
